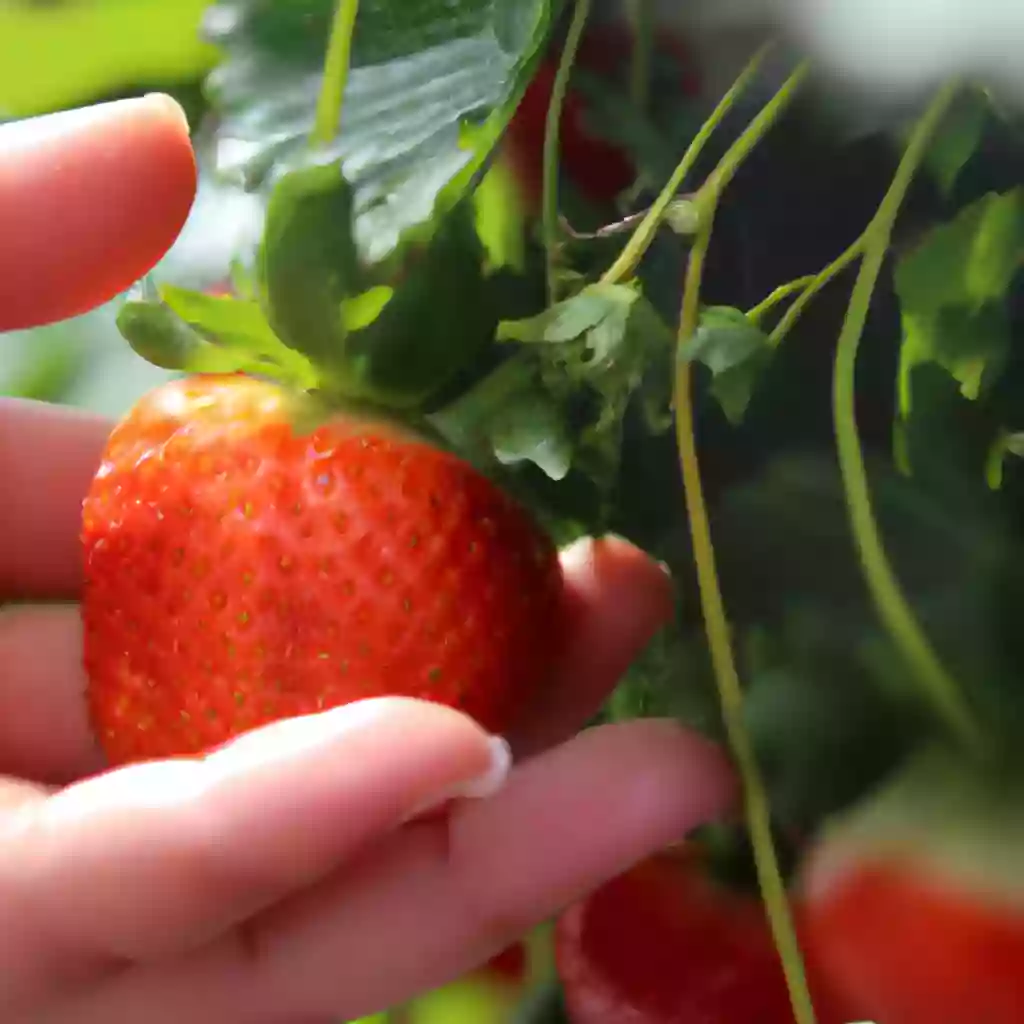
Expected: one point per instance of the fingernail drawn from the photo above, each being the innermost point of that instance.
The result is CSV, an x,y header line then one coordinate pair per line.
x,y
171,107
479,787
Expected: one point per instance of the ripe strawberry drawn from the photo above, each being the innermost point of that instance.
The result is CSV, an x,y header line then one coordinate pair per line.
x,y
249,558
915,903
665,944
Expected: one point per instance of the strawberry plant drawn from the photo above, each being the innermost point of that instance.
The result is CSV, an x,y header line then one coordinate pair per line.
x,y
522,274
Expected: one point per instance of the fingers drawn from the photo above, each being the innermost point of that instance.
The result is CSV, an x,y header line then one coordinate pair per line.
x,y
151,860
44,725
617,598
90,200
438,898
48,455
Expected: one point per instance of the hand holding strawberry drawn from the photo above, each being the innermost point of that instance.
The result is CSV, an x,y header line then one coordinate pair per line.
x,y
239,886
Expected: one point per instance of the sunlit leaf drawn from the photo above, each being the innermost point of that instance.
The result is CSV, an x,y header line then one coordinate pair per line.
x,y
432,85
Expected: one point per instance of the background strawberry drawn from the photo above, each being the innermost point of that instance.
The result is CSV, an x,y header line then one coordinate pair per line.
x,y
249,557
664,943
915,904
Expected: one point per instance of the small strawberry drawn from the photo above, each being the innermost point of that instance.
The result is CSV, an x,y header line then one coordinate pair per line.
x,y
250,556
915,902
664,943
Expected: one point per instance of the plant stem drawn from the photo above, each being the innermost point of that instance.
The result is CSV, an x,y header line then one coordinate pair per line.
x,y
644,235
336,66
552,131
815,284
727,167
896,614
780,294
641,19
730,690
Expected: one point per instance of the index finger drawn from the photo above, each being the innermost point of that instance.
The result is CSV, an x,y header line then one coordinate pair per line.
x,y
90,200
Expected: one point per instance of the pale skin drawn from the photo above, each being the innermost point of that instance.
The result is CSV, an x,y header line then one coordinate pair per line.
x,y
289,877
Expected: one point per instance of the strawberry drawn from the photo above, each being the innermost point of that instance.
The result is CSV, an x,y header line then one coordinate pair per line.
x,y
251,556
665,944
915,902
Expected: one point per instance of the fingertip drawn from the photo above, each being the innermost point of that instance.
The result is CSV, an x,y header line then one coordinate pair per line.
x,y
616,599
90,200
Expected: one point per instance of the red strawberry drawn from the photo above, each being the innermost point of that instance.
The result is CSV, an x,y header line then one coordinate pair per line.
x,y
915,903
249,558
665,944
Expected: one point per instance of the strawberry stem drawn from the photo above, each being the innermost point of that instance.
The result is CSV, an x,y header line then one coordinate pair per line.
x,y
814,285
336,66
641,19
642,238
896,614
756,803
552,128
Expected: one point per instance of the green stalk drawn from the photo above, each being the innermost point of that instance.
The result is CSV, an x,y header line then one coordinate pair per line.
x,y
730,690
716,624
780,294
336,66
814,285
641,19
941,689
642,238
552,131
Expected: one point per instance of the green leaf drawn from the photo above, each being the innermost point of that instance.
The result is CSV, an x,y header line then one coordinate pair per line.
x,y
969,261
308,261
44,65
951,289
572,318
736,351
432,85
958,138
609,341
511,416
440,318
239,325
157,334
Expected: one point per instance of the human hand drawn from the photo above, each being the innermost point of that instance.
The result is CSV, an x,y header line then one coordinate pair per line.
x,y
290,875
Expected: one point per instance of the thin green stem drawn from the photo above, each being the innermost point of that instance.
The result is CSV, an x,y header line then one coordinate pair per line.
x,y
641,19
727,167
942,690
552,130
336,66
780,294
644,235
816,283
730,690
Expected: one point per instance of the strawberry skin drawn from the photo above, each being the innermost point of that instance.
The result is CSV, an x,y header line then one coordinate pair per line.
x,y
664,943
915,898
249,559
917,948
